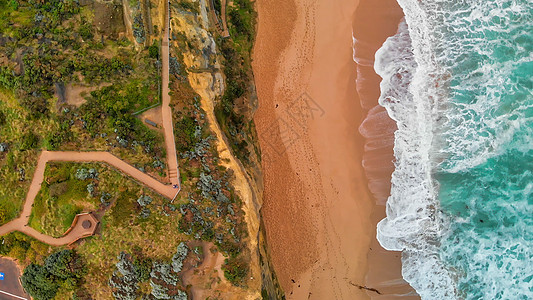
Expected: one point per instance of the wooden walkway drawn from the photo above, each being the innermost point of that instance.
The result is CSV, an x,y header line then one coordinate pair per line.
x,y
77,231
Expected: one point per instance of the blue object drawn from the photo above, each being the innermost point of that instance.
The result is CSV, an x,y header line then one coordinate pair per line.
x,y
1,276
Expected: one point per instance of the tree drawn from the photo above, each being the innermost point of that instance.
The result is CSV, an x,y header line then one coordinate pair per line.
x,y
38,282
61,269
63,264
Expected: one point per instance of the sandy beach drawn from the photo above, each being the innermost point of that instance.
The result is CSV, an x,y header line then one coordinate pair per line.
x,y
319,213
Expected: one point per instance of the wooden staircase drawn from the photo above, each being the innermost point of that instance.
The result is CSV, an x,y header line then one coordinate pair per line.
x,y
173,173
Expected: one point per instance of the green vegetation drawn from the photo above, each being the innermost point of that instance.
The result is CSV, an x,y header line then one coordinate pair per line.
x,y
153,50
236,51
242,17
124,227
188,5
109,109
61,270
22,247
50,50
134,270
235,270
19,142
63,194
212,211
70,188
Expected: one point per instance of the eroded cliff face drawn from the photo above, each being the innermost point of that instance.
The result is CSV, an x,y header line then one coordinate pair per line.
x,y
192,37
206,78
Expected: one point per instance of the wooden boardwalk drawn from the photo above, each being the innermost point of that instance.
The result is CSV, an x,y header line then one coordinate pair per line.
x,y
77,231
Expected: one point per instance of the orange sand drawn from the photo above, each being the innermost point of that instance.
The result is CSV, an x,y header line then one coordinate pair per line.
x,y
373,23
318,210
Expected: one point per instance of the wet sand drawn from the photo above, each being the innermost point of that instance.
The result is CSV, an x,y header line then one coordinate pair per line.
x,y
319,213
374,21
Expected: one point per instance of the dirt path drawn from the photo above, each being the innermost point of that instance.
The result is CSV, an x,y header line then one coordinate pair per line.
x,y
225,31
78,232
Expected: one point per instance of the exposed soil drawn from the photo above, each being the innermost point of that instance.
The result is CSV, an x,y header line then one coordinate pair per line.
x,y
73,94
109,18
207,278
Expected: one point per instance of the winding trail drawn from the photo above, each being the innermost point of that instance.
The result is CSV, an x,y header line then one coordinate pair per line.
x,y
77,232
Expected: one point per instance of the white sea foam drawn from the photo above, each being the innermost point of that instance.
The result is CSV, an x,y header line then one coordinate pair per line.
x,y
413,224
453,123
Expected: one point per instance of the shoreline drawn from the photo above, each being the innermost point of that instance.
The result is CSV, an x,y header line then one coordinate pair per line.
x,y
318,210
319,213
374,22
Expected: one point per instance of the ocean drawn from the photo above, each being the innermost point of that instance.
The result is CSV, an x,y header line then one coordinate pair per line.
x,y
458,81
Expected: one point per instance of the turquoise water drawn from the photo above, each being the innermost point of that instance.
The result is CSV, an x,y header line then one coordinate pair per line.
x,y
458,80
486,178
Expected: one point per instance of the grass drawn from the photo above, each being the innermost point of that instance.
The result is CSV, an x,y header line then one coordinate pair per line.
x,y
13,190
122,229
65,59
61,197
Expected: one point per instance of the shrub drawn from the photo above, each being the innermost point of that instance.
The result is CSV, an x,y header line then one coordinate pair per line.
x,y
56,138
143,267
159,291
235,270
138,29
64,264
91,189
181,295
162,271
37,281
29,141
174,66
144,200
84,174
36,106
104,198
145,213
124,280
86,31
153,51
179,257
